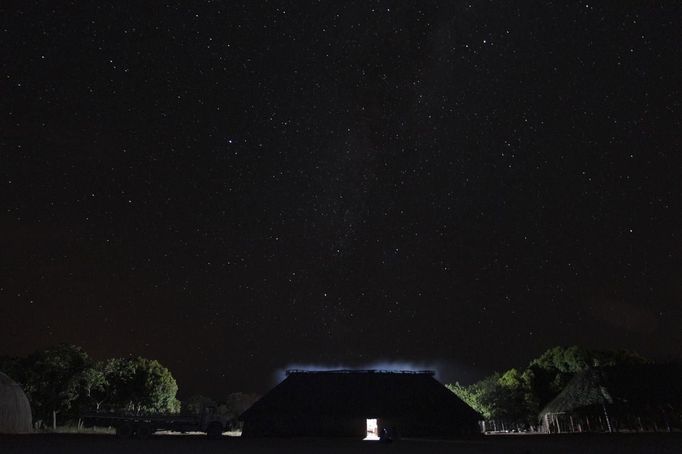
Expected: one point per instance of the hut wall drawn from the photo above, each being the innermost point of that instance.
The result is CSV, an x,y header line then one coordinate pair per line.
x,y
304,426
422,427
15,411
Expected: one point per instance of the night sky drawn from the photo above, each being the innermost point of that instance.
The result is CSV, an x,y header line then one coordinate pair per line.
x,y
234,187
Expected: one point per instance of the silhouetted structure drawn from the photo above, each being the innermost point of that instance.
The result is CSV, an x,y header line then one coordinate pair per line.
x,y
15,411
340,403
646,397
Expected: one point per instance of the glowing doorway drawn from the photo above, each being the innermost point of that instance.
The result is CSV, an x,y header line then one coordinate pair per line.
x,y
372,430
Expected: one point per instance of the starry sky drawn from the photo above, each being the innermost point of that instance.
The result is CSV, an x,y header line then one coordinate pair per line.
x,y
232,187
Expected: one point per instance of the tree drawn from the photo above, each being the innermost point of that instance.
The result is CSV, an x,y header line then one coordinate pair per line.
x,y
520,395
140,385
234,405
483,396
237,403
558,365
94,387
498,396
53,380
61,381
196,404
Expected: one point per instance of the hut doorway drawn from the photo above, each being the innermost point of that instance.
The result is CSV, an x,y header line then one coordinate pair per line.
x,y
372,430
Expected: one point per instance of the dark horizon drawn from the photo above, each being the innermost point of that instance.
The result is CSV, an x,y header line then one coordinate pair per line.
x,y
233,187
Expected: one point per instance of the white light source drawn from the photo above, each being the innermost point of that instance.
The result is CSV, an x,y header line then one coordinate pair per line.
x,y
372,430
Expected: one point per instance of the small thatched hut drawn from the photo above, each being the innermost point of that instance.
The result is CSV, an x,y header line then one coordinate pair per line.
x,y
15,411
351,403
635,397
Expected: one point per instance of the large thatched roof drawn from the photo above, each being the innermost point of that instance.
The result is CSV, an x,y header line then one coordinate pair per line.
x,y
15,411
363,394
632,386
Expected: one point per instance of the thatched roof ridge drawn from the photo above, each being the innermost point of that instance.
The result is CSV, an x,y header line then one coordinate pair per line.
x,y
584,390
631,385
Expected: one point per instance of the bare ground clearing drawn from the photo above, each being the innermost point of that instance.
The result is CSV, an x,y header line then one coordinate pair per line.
x,y
177,444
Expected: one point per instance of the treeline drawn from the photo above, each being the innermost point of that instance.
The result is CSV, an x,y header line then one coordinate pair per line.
x,y
62,381
231,407
520,394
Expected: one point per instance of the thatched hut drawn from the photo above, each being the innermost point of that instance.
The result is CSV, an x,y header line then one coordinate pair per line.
x,y
351,403
635,397
15,411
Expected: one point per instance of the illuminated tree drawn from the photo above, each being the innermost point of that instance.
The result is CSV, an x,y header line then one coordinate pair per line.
x,y
140,385
519,396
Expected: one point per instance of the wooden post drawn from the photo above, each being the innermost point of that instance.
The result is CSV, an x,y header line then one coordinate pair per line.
x,y
608,421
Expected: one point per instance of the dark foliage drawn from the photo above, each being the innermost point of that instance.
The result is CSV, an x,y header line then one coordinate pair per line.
x,y
520,395
62,381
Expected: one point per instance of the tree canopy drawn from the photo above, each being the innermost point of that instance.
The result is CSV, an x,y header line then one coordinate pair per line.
x,y
519,395
196,404
61,381
54,379
139,385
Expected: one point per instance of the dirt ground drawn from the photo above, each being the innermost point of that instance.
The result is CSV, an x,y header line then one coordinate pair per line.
x,y
172,444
